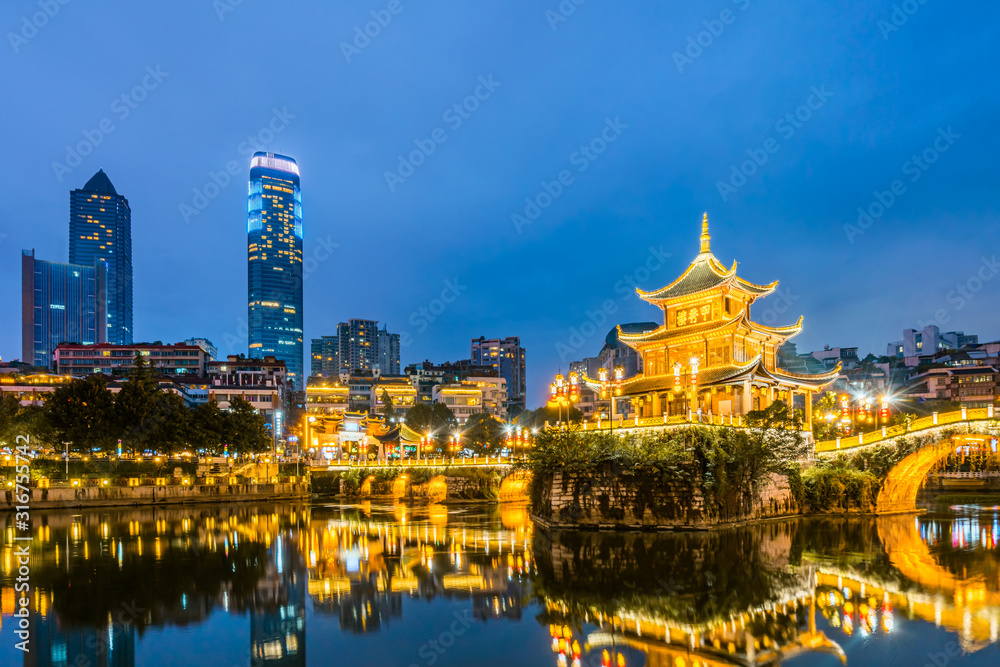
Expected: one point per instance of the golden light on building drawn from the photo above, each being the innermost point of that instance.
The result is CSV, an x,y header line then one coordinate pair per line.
x,y
709,355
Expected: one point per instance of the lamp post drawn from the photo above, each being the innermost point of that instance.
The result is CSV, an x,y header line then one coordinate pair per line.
x,y
564,394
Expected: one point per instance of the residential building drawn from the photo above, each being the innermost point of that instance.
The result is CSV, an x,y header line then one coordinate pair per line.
x,y
360,395
274,262
325,357
494,390
60,303
973,387
100,231
507,357
326,396
211,352
847,357
426,374
177,359
464,399
358,346
400,391
927,342
30,388
263,383
388,352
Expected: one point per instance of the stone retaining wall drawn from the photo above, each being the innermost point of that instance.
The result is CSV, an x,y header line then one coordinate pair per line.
x,y
153,495
607,500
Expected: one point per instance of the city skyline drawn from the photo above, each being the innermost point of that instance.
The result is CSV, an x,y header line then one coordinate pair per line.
x,y
799,137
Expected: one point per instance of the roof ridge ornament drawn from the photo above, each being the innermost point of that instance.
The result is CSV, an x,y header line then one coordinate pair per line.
x,y
705,238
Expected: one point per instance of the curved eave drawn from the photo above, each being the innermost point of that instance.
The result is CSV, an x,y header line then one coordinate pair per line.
x,y
640,384
714,266
818,381
754,288
778,332
679,336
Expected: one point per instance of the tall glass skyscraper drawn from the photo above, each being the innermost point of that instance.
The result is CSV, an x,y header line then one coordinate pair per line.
x,y
100,230
60,303
274,262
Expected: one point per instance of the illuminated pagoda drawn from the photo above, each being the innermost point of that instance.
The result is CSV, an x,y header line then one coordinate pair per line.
x,y
708,356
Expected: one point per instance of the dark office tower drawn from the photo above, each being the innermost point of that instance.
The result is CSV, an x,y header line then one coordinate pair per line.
x,y
100,230
60,303
274,262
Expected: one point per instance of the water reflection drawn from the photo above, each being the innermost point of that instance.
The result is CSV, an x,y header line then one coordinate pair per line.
x,y
125,587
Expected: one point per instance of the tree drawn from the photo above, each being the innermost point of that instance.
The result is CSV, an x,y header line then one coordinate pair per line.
x,y
486,431
824,429
207,427
387,410
138,408
245,429
82,413
436,419
537,418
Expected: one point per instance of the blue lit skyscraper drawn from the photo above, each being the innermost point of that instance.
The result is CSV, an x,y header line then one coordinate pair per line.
x,y
274,261
60,303
100,230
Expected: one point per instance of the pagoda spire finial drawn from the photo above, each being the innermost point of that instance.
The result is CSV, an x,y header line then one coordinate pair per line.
x,y
705,238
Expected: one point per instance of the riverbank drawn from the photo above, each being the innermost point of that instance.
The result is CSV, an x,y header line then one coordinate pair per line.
x,y
126,496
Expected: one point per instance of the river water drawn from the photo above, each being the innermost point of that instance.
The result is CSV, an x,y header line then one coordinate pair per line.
x,y
293,584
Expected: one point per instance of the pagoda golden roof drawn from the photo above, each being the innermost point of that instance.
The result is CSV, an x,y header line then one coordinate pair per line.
x,y
705,274
730,373
737,321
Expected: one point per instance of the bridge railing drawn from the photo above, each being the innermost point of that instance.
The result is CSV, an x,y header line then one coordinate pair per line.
x,y
889,432
439,462
706,419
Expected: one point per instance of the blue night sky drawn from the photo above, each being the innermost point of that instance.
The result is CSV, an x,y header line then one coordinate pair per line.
x,y
681,117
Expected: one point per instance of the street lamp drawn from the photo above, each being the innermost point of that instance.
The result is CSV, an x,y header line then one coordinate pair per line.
x,y
564,394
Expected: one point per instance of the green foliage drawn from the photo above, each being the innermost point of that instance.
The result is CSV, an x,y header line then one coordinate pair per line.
x,y
840,489
83,414
245,428
537,418
485,433
436,419
732,465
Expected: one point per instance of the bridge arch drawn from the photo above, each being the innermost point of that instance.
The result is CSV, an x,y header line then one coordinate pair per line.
x,y
900,488
514,487
437,489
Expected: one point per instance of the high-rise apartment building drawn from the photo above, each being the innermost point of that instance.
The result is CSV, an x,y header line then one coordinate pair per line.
x,y
60,303
388,352
100,230
506,356
358,346
274,262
